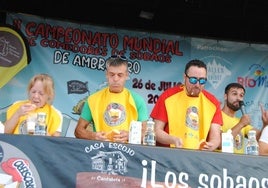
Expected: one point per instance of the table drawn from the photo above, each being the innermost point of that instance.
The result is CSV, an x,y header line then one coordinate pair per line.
x,y
40,161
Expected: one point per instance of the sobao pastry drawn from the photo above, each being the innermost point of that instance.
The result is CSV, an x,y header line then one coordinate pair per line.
x,y
110,135
202,143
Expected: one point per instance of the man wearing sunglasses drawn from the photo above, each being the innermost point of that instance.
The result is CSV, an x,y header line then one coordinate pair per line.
x,y
110,111
187,116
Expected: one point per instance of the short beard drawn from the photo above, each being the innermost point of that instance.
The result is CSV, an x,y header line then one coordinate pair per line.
x,y
233,107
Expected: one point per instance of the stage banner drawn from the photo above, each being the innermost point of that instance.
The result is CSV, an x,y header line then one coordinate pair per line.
x,y
74,55
45,162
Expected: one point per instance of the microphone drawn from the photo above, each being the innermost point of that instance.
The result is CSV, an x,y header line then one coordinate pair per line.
x,y
242,107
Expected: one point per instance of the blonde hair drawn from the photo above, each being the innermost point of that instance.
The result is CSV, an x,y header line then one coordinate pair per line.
x,y
48,84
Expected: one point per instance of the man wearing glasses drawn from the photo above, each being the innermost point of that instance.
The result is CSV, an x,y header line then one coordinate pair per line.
x,y
110,111
187,116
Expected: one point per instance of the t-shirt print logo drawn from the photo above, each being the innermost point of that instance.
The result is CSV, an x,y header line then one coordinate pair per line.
x,y
115,114
192,118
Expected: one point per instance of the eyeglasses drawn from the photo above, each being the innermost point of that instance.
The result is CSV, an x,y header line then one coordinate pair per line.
x,y
119,56
194,80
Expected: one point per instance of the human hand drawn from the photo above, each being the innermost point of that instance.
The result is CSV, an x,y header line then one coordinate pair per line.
x,y
178,142
208,146
121,136
25,109
102,136
245,120
264,115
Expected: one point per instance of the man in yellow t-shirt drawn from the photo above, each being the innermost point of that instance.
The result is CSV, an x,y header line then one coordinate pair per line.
x,y
110,111
234,93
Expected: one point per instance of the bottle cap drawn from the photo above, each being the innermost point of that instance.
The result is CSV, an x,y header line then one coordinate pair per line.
x,y
229,131
251,132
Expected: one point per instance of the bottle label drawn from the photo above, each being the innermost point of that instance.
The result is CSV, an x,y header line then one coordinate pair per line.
x,y
252,147
40,127
252,150
149,139
40,130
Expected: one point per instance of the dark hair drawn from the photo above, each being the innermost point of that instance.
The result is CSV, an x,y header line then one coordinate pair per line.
x,y
233,85
195,62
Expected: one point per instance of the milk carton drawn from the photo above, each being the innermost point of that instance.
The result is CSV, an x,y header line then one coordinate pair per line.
x,y
227,142
135,132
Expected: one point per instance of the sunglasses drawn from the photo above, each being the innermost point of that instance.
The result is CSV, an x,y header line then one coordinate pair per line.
x,y
194,80
119,56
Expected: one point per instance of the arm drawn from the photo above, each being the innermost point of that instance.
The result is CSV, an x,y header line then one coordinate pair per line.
x,y
263,142
81,131
12,122
244,121
163,137
213,138
57,121
263,148
56,134
264,117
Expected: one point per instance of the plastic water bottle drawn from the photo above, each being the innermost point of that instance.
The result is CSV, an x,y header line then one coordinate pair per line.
x,y
41,127
252,147
149,137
